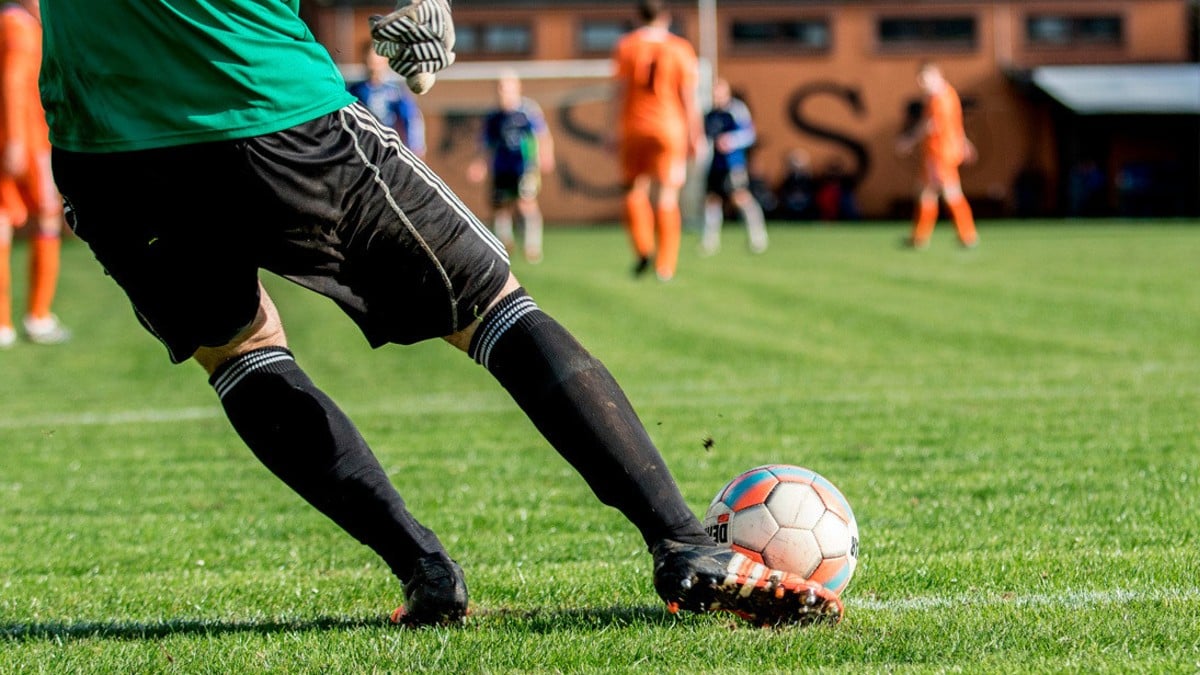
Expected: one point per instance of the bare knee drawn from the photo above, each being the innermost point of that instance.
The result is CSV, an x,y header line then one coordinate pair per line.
x,y
265,331
462,339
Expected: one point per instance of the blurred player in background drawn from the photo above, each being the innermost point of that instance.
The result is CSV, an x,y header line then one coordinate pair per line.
x,y
27,192
518,149
730,131
390,101
261,159
658,127
944,147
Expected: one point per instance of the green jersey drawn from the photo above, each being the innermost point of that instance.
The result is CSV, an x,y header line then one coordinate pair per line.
x,y
122,75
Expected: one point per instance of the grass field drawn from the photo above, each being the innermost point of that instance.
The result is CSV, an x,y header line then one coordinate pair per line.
x,y
1015,426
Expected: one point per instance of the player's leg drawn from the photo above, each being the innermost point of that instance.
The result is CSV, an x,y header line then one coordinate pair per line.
x,y
198,307
925,217
669,220
8,336
502,213
960,209
638,209
306,440
747,205
582,411
531,216
714,219
41,325
670,172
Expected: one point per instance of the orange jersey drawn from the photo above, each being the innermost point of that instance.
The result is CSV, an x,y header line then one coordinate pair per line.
x,y
654,67
945,140
22,119
21,116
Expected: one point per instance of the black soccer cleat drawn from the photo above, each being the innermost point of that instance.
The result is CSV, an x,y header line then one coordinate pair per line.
x,y
702,578
436,595
641,266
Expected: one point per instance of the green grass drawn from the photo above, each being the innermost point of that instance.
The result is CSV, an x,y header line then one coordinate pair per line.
x,y
1016,428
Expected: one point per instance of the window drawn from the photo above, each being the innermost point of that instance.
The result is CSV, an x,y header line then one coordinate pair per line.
x,y
781,34
952,32
1045,30
599,36
493,39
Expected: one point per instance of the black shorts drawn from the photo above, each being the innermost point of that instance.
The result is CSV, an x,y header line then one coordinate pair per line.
x,y
337,205
725,181
509,187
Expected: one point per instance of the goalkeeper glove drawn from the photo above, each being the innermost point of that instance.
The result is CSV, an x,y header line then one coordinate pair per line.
x,y
418,40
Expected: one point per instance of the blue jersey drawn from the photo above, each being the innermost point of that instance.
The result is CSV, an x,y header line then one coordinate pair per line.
x,y
511,137
733,119
396,108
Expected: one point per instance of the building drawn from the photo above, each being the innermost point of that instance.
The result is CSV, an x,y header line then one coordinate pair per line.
x,y
1078,107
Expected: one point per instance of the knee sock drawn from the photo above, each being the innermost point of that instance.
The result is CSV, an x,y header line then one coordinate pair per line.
x,y
964,220
305,440
670,232
5,284
582,411
502,226
756,226
43,274
927,214
639,221
533,234
714,218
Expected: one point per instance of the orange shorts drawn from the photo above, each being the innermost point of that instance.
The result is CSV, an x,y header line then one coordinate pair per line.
x,y
663,159
939,171
34,192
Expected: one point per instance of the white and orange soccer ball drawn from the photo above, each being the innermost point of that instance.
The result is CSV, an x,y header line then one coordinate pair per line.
x,y
788,518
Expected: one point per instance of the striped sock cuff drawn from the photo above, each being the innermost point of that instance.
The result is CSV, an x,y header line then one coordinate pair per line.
x,y
264,360
516,308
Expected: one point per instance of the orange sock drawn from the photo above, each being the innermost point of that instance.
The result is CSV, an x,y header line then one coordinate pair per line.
x,y
964,220
43,274
927,214
670,231
639,221
5,285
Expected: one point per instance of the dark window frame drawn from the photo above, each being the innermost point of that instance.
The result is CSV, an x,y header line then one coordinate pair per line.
x,y
1076,34
482,29
795,25
926,33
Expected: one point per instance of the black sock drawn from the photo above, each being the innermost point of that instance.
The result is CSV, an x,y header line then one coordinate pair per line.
x,y
577,405
304,439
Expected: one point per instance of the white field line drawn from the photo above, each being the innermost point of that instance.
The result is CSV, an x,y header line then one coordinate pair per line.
x,y
1067,600
453,404
445,405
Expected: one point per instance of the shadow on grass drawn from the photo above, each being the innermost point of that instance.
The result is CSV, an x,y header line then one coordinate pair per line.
x,y
136,630
534,620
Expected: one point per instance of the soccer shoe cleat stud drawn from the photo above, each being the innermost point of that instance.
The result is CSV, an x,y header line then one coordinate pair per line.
x,y
704,579
436,595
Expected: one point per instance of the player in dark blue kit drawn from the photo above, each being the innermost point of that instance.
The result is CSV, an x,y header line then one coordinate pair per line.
x,y
730,130
516,138
390,101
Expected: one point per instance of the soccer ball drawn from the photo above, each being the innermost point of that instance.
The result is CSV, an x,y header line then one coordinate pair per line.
x,y
788,518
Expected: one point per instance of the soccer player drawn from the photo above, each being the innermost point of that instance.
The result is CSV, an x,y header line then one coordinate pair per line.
x,y
518,142
730,131
658,127
27,192
390,101
944,147
260,159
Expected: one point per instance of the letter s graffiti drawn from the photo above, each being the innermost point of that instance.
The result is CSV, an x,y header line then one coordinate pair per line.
x,y
853,99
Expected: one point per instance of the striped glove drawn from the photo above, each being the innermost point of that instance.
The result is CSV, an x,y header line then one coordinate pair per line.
x,y
418,40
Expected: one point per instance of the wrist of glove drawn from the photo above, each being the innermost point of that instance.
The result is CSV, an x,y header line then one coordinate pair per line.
x,y
418,40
